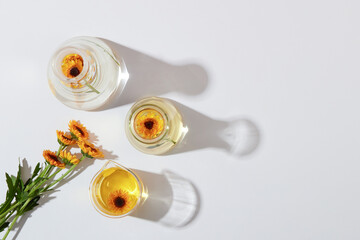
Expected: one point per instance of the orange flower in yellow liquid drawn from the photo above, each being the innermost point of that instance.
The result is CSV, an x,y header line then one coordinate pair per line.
x,y
116,191
149,124
121,202
72,65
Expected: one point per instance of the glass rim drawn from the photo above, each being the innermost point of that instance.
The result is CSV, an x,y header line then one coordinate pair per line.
x,y
132,116
58,58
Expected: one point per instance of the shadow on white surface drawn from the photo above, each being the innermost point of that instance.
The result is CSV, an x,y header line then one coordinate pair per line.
x,y
172,200
152,77
237,136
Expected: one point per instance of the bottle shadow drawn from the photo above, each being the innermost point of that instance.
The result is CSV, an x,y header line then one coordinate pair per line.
x,y
237,136
171,199
150,76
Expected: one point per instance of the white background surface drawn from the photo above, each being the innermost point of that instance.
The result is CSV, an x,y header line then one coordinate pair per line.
x,y
289,68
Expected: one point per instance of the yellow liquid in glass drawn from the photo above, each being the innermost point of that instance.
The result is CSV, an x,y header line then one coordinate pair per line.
x,y
117,191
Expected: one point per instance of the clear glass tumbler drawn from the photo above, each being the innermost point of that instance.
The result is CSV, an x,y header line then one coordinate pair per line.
x,y
116,191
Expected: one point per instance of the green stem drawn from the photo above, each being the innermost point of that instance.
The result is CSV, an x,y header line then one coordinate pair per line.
x,y
19,213
11,208
46,175
10,227
54,174
91,87
64,175
61,147
43,172
38,177
8,216
25,204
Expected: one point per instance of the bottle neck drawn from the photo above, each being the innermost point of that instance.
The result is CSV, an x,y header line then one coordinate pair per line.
x,y
74,77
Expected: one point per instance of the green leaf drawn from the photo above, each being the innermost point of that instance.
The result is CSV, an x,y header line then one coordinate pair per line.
x,y
21,185
36,171
33,203
29,181
24,196
10,185
13,179
18,178
3,226
36,192
13,188
7,203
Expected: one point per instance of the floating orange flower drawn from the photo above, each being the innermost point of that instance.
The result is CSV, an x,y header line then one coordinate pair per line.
x,y
89,150
72,65
65,138
149,124
121,202
52,159
78,130
68,158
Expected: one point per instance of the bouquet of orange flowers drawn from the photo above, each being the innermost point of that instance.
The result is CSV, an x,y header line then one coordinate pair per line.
x,y
22,196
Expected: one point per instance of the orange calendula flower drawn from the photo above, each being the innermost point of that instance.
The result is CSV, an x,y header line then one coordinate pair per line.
x,y
52,159
89,150
68,158
121,202
65,138
78,130
72,65
149,124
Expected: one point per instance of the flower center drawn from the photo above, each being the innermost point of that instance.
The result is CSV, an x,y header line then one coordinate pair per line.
x,y
53,157
66,137
119,202
80,130
149,124
74,71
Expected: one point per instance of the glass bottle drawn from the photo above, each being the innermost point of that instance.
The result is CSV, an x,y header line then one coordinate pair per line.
x,y
84,73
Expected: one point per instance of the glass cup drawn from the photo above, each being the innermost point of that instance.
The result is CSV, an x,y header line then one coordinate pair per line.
x,y
84,73
116,191
154,125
